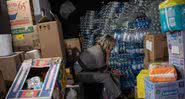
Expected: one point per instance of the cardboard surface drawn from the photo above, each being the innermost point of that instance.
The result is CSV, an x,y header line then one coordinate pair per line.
x,y
73,43
26,42
20,13
2,86
33,54
49,66
168,90
180,66
9,65
155,48
51,39
176,44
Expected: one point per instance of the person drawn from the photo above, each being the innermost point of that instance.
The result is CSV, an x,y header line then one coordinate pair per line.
x,y
93,66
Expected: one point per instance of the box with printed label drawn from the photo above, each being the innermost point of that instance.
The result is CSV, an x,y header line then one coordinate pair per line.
x,y
20,13
176,44
26,41
166,90
152,50
179,63
9,65
38,79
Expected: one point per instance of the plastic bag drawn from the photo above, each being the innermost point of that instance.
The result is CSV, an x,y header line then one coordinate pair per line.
x,y
162,73
72,94
172,15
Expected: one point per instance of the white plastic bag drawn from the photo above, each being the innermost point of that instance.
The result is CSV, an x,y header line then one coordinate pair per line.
x,y
72,94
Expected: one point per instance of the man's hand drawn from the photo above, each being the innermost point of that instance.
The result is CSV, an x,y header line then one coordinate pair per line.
x,y
116,72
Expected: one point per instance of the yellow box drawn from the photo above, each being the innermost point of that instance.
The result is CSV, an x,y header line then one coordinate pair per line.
x,y
140,83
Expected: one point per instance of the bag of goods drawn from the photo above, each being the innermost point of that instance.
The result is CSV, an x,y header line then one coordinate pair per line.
x,y
172,15
162,72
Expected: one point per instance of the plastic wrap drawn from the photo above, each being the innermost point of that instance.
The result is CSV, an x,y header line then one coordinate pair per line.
x,y
162,73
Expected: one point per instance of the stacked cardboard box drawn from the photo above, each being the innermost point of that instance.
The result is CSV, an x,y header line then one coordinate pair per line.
x,y
167,90
2,86
27,41
155,48
176,49
20,13
73,43
9,65
47,37
51,39
21,21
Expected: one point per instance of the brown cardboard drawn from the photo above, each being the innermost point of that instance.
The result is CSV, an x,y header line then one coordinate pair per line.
x,y
9,65
51,39
26,42
20,13
73,43
155,48
73,49
2,86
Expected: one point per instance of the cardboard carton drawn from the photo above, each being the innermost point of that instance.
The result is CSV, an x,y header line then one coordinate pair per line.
x,y
73,49
176,44
167,90
47,70
20,13
73,43
33,54
51,39
179,64
155,48
26,42
2,86
140,83
24,13
9,65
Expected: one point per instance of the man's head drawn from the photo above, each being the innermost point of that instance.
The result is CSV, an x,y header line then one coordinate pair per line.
x,y
107,42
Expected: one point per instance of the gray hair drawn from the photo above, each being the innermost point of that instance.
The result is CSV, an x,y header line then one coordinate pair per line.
x,y
106,42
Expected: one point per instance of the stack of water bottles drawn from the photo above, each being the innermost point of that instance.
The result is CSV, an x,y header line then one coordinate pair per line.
x,y
87,23
142,22
128,23
127,58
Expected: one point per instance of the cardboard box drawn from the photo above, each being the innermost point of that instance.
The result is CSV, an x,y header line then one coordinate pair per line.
x,y
167,90
25,13
26,42
176,44
2,86
140,83
9,65
46,69
20,13
179,63
155,48
73,49
51,39
73,43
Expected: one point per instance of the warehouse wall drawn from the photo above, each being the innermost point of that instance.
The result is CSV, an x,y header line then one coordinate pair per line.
x,y
4,18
